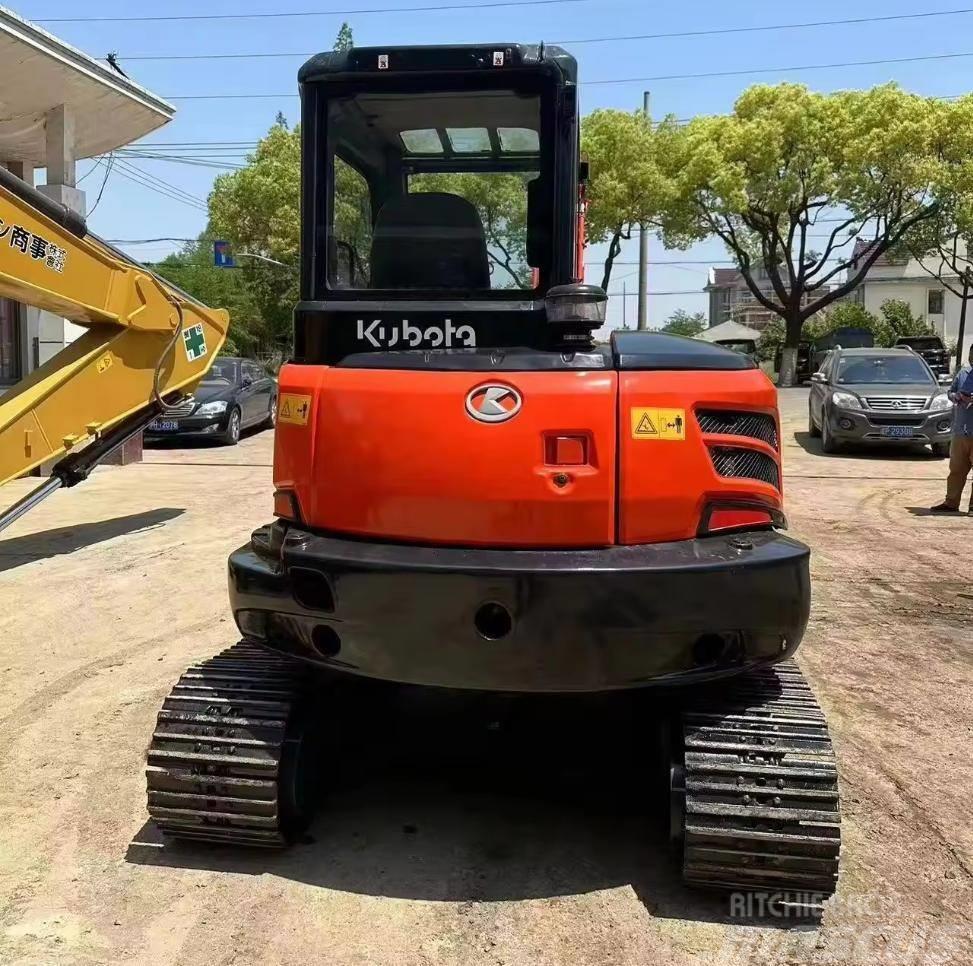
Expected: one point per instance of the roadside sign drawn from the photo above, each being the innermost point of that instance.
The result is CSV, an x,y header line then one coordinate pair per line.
x,y
221,255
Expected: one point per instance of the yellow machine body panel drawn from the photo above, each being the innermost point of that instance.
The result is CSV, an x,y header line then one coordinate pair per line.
x,y
145,338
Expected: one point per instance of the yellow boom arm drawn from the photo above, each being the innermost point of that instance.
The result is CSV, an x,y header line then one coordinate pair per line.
x,y
145,339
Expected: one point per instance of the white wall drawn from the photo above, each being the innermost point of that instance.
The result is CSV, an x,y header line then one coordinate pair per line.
x,y
912,284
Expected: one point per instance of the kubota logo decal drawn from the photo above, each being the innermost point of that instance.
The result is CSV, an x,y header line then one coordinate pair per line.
x,y
405,335
493,403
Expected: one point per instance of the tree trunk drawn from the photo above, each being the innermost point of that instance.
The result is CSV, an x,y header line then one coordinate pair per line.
x,y
788,358
614,249
788,367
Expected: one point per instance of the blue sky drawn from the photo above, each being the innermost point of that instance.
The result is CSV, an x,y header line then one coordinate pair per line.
x,y
131,211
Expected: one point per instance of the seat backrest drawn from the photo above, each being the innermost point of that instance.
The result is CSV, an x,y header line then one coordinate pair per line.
x,y
429,240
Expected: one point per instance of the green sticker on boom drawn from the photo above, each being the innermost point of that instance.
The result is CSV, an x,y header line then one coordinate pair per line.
x,y
195,342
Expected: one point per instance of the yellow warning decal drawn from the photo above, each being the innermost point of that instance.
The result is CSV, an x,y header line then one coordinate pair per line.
x,y
658,423
104,363
293,409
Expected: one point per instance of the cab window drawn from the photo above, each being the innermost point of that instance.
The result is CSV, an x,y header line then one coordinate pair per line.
x,y
438,191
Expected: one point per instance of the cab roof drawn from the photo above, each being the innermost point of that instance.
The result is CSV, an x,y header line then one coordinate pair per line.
x,y
487,58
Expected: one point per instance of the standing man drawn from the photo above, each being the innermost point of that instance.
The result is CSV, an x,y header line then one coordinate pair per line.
x,y
961,448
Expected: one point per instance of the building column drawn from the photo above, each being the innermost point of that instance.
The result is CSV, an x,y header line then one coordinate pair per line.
x,y
50,332
23,170
61,168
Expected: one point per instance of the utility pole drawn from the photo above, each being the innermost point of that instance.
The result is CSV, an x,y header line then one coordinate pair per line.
x,y
624,306
644,250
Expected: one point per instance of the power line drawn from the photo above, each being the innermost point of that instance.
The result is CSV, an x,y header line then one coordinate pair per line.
x,y
146,241
655,78
198,152
194,144
152,187
104,183
197,162
716,31
664,261
489,4
686,291
776,70
135,169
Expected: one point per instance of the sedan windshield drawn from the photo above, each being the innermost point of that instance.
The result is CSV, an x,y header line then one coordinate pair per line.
x,y
890,370
222,371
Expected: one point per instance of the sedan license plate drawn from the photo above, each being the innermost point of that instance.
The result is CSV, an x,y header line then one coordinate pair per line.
x,y
164,425
898,432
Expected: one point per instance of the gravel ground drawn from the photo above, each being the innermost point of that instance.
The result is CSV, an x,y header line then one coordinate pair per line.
x,y
108,591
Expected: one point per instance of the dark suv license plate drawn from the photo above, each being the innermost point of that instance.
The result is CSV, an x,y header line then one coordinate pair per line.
x,y
164,425
898,432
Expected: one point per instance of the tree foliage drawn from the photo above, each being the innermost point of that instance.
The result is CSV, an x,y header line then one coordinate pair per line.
x,y
625,188
258,210
895,320
788,162
682,322
943,246
344,41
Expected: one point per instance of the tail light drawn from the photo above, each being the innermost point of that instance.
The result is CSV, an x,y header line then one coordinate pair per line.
x,y
731,516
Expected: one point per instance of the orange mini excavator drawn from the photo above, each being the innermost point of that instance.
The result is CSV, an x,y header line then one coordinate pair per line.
x,y
472,492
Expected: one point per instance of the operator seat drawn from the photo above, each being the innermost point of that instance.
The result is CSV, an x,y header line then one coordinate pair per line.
x,y
429,240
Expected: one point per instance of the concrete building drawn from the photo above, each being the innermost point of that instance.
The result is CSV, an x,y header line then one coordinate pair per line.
x,y
908,280
57,106
730,300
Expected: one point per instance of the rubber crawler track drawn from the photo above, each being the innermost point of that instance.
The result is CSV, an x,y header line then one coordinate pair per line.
x,y
220,765
761,790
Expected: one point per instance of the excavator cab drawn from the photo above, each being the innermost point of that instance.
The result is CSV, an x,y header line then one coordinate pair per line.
x,y
440,199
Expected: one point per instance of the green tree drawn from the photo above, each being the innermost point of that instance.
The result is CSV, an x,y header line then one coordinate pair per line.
x,y
625,187
898,321
344,41
258,210
682,323
841,315
789,162
895,319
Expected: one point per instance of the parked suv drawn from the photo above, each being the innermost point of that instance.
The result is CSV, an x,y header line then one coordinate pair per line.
x,y
234,395
878,395
931,348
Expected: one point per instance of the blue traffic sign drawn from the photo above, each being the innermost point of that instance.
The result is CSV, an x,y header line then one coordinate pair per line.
x,y
221,255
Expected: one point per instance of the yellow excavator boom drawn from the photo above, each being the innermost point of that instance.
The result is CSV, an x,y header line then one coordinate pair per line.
x,y
147,343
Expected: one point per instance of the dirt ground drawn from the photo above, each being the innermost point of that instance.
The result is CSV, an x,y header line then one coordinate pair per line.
x,y
108,591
